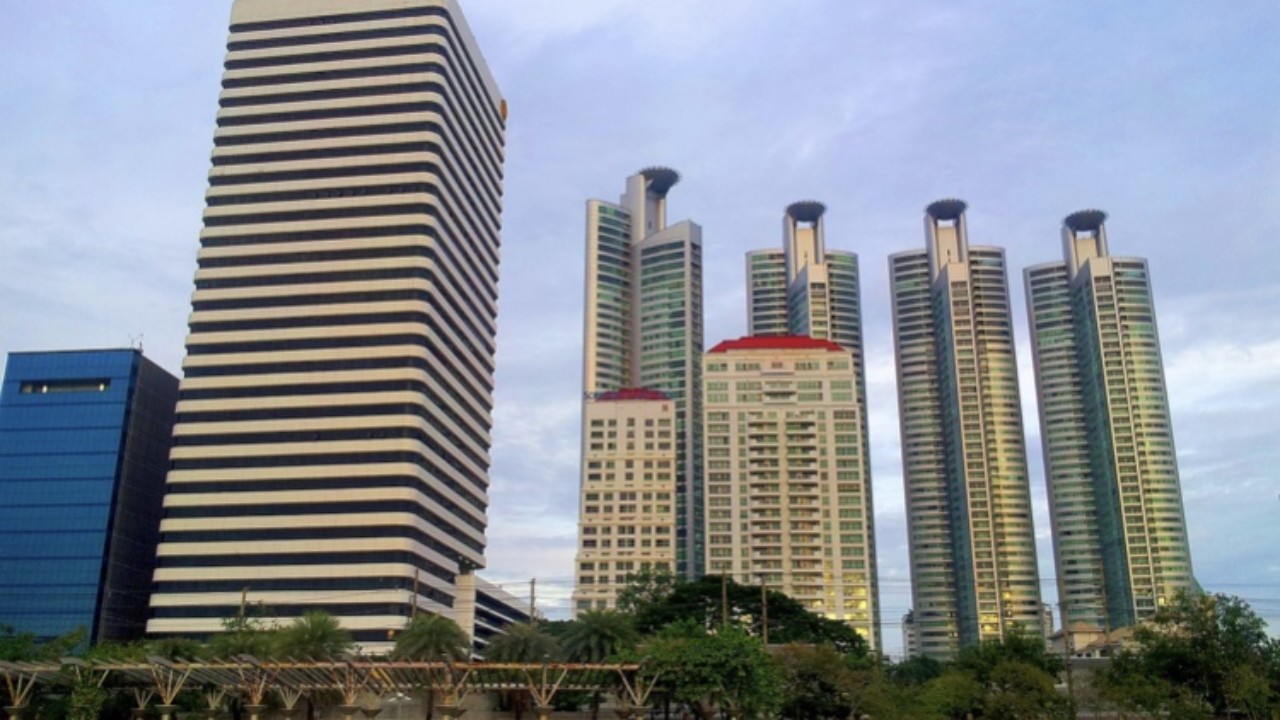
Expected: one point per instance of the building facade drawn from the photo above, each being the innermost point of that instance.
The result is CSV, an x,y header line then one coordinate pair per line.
x,y
788,501
332,441
972,545
84,444
1119,531
627,512
643,325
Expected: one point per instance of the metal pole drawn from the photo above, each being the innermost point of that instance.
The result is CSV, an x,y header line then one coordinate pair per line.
x,y
413,610
533,595
724,600
764,611
1066,660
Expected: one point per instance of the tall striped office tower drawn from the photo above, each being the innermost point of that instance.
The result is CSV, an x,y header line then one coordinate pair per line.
x,y
1119,532
972,546
332,441
643,326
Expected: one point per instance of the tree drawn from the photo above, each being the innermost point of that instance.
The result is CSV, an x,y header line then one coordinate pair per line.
x,y
729,670
708,600
432,638
246,634
522,643
314,636
645,588
1198,655
813,677
954,695
596,636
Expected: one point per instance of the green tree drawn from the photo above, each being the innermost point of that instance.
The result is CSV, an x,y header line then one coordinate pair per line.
x,y
710,599
251,634
729,670
645,588
314,636
954,695
522,643
813,679
1199,655
432,638
596,636
914,671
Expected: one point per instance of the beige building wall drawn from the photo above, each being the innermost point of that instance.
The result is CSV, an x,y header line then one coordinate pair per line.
x,y
627,517
788,500
332,442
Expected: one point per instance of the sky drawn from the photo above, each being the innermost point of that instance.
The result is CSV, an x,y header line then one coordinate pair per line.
x,y
1164,113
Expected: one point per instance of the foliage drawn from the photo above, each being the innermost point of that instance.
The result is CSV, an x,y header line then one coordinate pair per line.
x,y
729,670
914,671
645,588
1200,655
25,647
708,600
954,695
523,643
432,638
314,636
597,635
247,634
1006,679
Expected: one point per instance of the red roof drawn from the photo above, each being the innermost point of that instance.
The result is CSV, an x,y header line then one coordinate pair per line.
x,y
632,394
776,342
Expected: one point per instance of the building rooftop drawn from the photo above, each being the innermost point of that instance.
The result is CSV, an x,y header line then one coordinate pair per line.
x,y
776,342
632,394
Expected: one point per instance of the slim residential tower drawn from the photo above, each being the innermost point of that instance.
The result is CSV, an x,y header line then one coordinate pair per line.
x,y
643,325
973,553
332,440
627,517
1119,532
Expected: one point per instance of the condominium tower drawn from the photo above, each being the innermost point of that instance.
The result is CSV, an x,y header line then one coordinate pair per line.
x,y
627,515
643,325
332,440
788,499
972,547
1119,532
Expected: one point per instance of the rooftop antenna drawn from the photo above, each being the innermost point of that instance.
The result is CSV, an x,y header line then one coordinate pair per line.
x,y
135,342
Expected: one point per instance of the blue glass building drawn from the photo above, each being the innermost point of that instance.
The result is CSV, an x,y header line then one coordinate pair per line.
x,y
84,447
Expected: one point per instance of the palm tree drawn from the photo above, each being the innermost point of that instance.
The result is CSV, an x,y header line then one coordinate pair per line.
x,y
596,636
314,636
522,643
431,638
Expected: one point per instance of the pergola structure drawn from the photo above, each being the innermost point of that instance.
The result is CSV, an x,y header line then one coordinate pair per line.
x,y
352,686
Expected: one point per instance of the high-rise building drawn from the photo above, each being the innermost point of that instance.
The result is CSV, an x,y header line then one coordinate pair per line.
x,y
84,444
332,441
804,288
1119,532
627,517
910,641
972,546
788,500
643,325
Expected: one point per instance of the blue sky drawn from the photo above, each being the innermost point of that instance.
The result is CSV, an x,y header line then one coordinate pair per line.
x,y
1164,113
